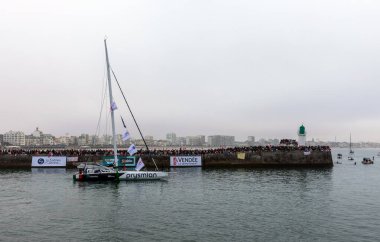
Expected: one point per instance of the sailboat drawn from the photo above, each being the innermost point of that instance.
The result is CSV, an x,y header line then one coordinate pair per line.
x,y
351,152
87,172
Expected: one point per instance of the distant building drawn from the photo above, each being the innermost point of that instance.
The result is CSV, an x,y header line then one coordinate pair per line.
x,y
35,139
84,140
63,140
202,139
1,139
37,133
149,140
48,139
14,138
38,138
262,141
220,140
161,143
73,140
94,140
198,140
181,141
149,137
139,142
105,140
172,138
302,136
251,139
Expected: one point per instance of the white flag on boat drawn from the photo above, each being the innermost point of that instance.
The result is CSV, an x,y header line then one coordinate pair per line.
x,y
140,164
132,149
126,135
113,106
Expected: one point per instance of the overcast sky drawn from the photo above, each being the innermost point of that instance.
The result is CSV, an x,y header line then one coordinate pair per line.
x,y
192,67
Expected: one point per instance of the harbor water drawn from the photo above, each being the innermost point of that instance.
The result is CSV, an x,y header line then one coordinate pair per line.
x,y
330,204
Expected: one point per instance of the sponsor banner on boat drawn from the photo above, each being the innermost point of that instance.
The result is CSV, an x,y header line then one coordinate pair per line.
x,y
72,159
185,160
141,175
48,161
129,161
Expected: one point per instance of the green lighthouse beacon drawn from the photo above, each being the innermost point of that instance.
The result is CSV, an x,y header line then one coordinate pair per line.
x,y
302,136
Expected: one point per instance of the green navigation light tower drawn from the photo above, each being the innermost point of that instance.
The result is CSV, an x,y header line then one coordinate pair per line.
x,y
302,136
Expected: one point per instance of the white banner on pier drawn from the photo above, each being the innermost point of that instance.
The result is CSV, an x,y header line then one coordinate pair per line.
x,y
46,161
185,160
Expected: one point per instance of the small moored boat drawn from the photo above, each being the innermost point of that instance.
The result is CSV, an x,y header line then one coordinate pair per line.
x,y
367,161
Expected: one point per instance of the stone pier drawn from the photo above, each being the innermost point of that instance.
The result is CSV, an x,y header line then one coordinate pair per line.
x,y
294,158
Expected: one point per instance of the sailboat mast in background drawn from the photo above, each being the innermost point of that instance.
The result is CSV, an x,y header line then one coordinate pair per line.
x,y
351,151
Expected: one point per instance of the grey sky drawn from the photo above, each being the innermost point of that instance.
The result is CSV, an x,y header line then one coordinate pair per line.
x,y
195,67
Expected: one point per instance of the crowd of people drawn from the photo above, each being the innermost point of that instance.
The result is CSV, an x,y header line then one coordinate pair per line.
x,y
160,152
289,142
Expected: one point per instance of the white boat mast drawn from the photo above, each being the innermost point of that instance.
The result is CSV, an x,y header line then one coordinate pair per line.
x,y
111,102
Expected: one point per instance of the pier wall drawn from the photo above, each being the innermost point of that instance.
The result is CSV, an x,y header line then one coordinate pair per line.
x,y
227,159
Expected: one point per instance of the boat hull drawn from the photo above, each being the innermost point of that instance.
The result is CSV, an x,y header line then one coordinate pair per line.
x,y
367,161
96,177
122,176
143,175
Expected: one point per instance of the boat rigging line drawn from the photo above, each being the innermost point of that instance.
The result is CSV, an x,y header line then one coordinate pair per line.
x,y
103,97
138,128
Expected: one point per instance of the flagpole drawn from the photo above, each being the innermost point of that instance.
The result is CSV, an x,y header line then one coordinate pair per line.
x,y
112,109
